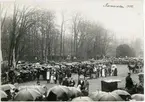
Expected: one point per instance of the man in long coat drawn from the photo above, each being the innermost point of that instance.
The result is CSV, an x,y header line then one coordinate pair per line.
x,y
129,82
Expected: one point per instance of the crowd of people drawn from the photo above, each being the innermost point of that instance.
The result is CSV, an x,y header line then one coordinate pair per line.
x,y
70,84
68,91
61,74
57,72
135,66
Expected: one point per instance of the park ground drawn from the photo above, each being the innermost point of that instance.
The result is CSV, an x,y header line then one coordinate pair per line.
x,y
95,84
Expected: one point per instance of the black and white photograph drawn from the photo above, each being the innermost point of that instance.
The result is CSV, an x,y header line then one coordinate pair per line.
x,y
72,50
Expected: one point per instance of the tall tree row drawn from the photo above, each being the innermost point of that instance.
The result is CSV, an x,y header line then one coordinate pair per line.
x,y
33,35
90,39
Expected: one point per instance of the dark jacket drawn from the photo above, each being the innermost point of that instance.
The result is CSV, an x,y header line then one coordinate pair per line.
x,y
115,72
71,83
82,84
38,74
65,83
129,82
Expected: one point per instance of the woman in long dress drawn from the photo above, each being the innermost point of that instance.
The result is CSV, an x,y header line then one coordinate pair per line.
x,y
52,79
48,76
100,70
113,69
103,72
95,71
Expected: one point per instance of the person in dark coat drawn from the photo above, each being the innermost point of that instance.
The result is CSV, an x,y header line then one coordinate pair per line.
x,y
91,71
60,78
8,92
38,74
71,82
86,87
81,82
109,69
79,71
68,73
56,76
11,75
44,73
129,82
98,72
65,82
115,72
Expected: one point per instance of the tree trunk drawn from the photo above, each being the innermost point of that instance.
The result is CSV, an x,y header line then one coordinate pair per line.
x,y
63,45
10,59
14,59
61,38
1,58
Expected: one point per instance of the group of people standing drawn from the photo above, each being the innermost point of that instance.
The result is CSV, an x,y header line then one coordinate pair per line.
x,y
133,87
135,66
53,75
57,75
98,70
108,69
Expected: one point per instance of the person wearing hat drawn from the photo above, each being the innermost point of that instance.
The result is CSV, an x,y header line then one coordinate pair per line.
x,y
109,69
60,77
140,87
81,83
115,72
65,82
86,84
113,68
129,83
71,82
38,74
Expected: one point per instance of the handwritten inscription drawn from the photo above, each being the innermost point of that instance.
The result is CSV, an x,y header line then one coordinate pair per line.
x,y
117,6
129,6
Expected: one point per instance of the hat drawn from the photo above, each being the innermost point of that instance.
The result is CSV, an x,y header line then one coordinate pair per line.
x,y
140,74
129,73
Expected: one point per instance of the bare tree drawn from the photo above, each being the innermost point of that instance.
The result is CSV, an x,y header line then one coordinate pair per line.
x,y
33,35
0,40
3,18
75,23
61,34
46,27
21,21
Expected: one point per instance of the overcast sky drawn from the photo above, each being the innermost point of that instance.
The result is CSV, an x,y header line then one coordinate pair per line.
x,y
124,22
